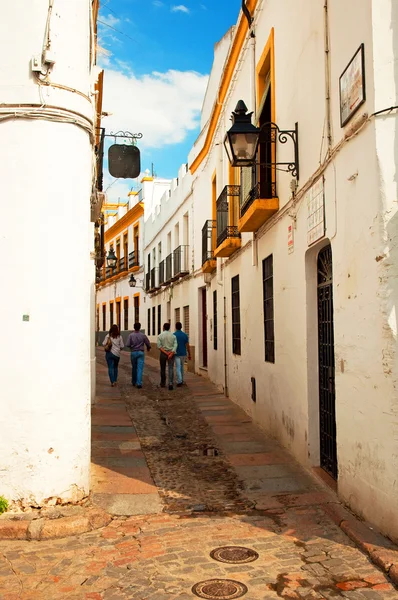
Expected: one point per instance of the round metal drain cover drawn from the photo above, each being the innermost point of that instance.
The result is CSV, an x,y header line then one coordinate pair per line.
x,y
235,555
219,589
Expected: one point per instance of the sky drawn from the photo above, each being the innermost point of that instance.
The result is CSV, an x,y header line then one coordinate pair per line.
x,y
157,56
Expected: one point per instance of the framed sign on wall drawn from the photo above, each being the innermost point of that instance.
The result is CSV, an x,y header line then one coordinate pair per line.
x,y
352,86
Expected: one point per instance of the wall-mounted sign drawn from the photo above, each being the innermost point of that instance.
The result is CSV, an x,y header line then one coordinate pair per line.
x,y
315,199
352,86
124,161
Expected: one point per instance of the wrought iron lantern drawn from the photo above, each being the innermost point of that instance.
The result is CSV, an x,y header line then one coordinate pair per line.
x,y
132,281
111,259
241,141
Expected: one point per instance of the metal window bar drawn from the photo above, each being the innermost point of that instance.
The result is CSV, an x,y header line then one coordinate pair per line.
x,y
223,206
207,241
169,268
268,298
236,339
122,265
132,262
181,266
215,324
147,281
161,272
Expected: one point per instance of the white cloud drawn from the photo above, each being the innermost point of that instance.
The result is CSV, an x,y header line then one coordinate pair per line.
x,y
162,106
180,8
158,3
109,20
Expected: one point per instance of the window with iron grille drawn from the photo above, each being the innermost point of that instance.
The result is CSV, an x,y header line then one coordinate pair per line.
x,y
215,332
126,313
153,320
149,321
136,309
268,294
159,319
177,315
104,317
111,314
186,319
235,315
98,318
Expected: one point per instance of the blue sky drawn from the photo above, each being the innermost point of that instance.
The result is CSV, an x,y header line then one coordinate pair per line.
x,y
156,67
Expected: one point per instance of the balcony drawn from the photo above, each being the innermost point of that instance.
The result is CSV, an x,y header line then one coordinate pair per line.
x,y
169,268
133,262
154,280
122,265
228,236
161,273
208,237
147,282
181,262
259,200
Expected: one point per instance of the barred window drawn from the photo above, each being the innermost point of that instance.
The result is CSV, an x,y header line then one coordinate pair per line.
x,y
236,343
159,319
186,319
136,309
177,313
126,313
104,317
215,331
153,320
111,314
149,321
268,294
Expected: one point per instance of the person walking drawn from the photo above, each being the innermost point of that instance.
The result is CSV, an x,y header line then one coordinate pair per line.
x,y
114,344
136,342
183,350
167,344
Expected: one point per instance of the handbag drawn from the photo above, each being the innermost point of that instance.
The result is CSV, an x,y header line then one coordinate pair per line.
x,y
108,345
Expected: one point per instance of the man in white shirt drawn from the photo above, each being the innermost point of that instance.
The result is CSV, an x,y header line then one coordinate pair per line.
x,y
167,344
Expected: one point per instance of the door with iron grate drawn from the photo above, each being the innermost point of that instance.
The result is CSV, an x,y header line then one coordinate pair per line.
x,y
327,395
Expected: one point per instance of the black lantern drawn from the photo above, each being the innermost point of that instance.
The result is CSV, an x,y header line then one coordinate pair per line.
x,y
241,141
111,259
132,281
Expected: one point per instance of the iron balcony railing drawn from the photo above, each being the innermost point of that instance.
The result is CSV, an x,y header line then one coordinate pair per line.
x,y
154,283
132,260
109,272
122,265
259,181
181,261
223,206
169,268
207,241
161,272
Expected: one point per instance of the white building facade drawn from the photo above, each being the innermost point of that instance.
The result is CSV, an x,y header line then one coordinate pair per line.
x,y
291,280
47,183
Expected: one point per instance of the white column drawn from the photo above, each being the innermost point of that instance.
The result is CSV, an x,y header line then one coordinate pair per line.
x,y
47,275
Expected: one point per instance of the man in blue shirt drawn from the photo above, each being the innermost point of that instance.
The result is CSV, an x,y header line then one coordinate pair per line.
x,y
182,351
136,342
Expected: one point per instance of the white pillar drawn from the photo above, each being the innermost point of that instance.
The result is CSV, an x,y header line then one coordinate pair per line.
x,y
46,170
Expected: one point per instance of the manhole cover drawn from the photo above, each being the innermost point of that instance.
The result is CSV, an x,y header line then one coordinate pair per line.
x,y
234,554
219,589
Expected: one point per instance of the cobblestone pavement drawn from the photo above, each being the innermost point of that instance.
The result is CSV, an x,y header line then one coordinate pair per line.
x,y
221,483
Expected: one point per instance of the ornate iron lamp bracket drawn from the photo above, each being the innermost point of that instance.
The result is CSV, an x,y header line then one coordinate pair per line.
x,y
282,136
125,135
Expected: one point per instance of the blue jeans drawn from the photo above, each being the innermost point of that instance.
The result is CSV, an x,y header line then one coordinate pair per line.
x,y
179,360
137,364
113,366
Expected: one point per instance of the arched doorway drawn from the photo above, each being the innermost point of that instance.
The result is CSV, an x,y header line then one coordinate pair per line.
x,y
327,390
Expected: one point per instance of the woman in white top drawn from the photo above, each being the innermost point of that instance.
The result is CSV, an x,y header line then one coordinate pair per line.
x,y
113,343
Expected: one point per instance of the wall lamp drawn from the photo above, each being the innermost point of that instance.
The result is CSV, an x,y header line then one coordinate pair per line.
x,y
111,259
242,140
133,282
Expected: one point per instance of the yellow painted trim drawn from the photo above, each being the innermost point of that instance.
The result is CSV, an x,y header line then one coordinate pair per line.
x,y
209,266
134,269
137,295
257,214
265,64
228,247
118,299
227,75
133,193
146,179
104,304
126,298
128,219
214,207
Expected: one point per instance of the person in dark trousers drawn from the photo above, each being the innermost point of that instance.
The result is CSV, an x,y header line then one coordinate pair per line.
x,y
136,342
183,350
113,343
167,344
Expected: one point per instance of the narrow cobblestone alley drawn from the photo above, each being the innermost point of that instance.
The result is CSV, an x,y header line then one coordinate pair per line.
x,y
184,473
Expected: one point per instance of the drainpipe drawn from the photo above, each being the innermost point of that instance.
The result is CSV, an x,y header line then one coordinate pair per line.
x,y
327,74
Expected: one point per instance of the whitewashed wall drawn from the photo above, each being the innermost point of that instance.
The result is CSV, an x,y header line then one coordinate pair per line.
x,y
46,237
